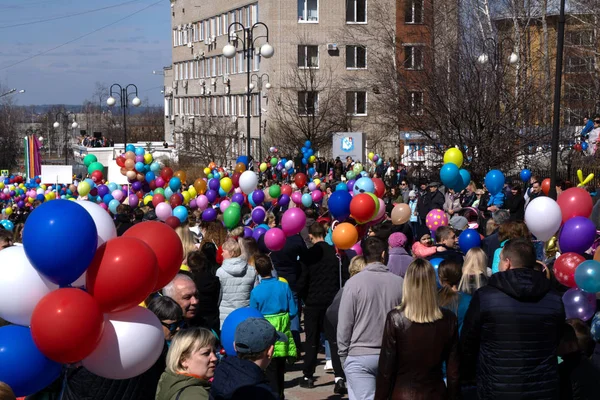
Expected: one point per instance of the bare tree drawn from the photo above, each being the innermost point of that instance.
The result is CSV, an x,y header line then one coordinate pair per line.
x,y
208,139
11,142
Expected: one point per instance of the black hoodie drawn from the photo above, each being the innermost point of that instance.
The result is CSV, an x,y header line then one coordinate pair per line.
x,y
240,380
511,333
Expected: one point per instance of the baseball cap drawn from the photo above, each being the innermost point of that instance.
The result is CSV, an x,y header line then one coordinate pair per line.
x,y
254,335
459,223
433,184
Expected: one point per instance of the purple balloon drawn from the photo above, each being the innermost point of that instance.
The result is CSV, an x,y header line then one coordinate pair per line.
x,y
214,184
193,204
210,214
21,204
139,159
258,197
146,187
137,185
247,232
258,232
284,200
350,184
577,235
579,304
238,198
258,215
133,200
103,190
211,195
160,182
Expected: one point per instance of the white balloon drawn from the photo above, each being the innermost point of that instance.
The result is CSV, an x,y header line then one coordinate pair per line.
x,y
248,181
21,286
104,223
543,217
131,343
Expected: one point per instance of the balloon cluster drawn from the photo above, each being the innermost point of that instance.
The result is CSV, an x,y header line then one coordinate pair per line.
x,y
16,194
451,174
308,156
375,158
101,326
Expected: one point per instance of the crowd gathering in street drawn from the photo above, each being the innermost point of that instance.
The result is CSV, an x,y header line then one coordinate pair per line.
x,y
405,315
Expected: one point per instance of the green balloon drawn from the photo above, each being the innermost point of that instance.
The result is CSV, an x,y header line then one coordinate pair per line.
x,y
274,161
357,168
209,176
275,191
89,159
350,175
231,217
95,166
159,191
236,205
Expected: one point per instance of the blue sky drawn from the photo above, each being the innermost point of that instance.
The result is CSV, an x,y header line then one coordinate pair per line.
x,y
126,52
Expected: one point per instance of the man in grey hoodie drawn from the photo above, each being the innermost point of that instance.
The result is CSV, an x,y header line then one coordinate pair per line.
x,y
366,300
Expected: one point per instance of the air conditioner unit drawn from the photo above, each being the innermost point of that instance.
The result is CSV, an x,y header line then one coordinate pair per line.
x,y
332,46
214,39
201,53
185,84
213,81
233,36
225,79
196,56
190,45
210,41
208,92
175,84
202,82
234,119
206,41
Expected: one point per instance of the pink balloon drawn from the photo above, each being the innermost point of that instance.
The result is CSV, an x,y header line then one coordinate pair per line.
x,y
274,239
297,197
237,190
103,205
381,212
202,202
163,211
118,194
160,182
317,196
436,218
357,249
224,204
293,221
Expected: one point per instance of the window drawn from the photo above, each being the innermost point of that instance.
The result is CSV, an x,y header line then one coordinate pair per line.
x,y
578,65
580,38
256,59
195,32
254,11
308,103
413,57
220,65
176,67
185,70
356,57
207,67
308,10
241,66
225,22
308,56
413,12
174,37
356,103
356,11
416,103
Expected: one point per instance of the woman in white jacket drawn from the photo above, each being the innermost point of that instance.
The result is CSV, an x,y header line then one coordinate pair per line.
x,y
237,279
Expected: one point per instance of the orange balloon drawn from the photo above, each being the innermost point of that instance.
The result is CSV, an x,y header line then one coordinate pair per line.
x,y
130,155
129,164
400,214
546,186
200,186
344,236
240,167
597,254
212,165
181,175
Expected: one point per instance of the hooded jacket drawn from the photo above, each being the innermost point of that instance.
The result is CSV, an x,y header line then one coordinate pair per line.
x,y
511,333
285,261
240,379
237,280
191,388
399,260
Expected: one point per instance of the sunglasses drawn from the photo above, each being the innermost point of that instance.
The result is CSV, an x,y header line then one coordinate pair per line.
x,y
174,326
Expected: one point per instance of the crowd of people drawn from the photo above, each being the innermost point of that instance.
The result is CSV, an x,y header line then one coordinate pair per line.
x,y
407,316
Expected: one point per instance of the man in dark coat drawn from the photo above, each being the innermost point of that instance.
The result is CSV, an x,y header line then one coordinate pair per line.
x,y
512,330
445,241
435,198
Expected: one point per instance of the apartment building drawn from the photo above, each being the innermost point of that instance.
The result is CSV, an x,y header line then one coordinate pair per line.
x,y
322,37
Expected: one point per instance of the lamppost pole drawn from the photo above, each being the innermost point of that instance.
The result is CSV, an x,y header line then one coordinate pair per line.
x,y
560,41
123,94
249,45
259,84
65,121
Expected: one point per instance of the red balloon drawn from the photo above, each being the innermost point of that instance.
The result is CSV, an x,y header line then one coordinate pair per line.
x,y
300,180
235,179
565,266
67,325
122,274
121,161
546,186
379,187
578,147
166,245
152,185
175,200
157,199
286,189
575,202
173,221
166,174
97,176
362,207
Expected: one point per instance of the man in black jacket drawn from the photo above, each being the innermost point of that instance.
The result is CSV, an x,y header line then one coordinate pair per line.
x,y
435,199
445,241
322,277
512,330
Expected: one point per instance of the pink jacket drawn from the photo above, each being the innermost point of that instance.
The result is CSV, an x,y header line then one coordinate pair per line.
x,y
420,250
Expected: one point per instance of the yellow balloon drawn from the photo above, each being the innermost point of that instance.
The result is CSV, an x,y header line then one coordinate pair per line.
x,y
206,171
311,159
147,200
453,156
147,158
371,155
1,185
8,210
48,197
186,197
11,187
43,187
317,182
192,191
263,167
30,199
226,184
22,186
580,175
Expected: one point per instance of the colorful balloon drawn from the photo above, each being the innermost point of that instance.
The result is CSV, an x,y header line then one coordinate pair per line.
x,y
275,239
587,276
543,217
577,235
575,202
494,181
362,207
344,236
293,221
579,304
400,214
435,219
565,266
469,239
453,156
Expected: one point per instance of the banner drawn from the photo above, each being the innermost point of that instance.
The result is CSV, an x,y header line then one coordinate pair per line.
x,y
350,144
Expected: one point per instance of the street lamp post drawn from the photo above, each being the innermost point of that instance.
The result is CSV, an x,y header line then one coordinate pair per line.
x,y
65,121
249,47
11,91
259,84
123,94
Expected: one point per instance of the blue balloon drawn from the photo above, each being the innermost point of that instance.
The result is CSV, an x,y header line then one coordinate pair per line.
x,y
139,151
595,331
341,186
60,240
130,147
304,161
587,276
251,201
258,232
449,174
222,193
463,181
584,146
264,226
40,197
90,182
311,171
112,206
8,225
181,213
436,263
150,176
309,152
339,204
139,166
494,181
525,175
363,185
107,198
168,193
306,200
231,323
155,167
22,366
468,239
242,159
303,150
307,144
175,184
112,186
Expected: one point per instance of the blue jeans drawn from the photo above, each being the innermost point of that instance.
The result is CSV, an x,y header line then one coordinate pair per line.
x,y
295,323
361,374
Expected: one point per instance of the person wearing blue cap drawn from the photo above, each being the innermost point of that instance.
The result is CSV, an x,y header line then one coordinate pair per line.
x,y
243,377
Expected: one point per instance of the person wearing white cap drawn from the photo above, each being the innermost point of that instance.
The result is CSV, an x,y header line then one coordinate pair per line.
x,y
414,219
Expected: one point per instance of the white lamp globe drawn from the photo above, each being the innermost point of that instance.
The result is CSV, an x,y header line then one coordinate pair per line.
x,y
483,59
136,102
111,101
56,125
513,58
75,125
266,50
229,50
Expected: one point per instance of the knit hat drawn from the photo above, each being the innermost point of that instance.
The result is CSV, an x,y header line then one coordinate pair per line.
x,y
397,239
412,194
459,223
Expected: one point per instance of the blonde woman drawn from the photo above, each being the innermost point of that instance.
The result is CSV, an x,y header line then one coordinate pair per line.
x,y
418,338
474,271
187,241
191,363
